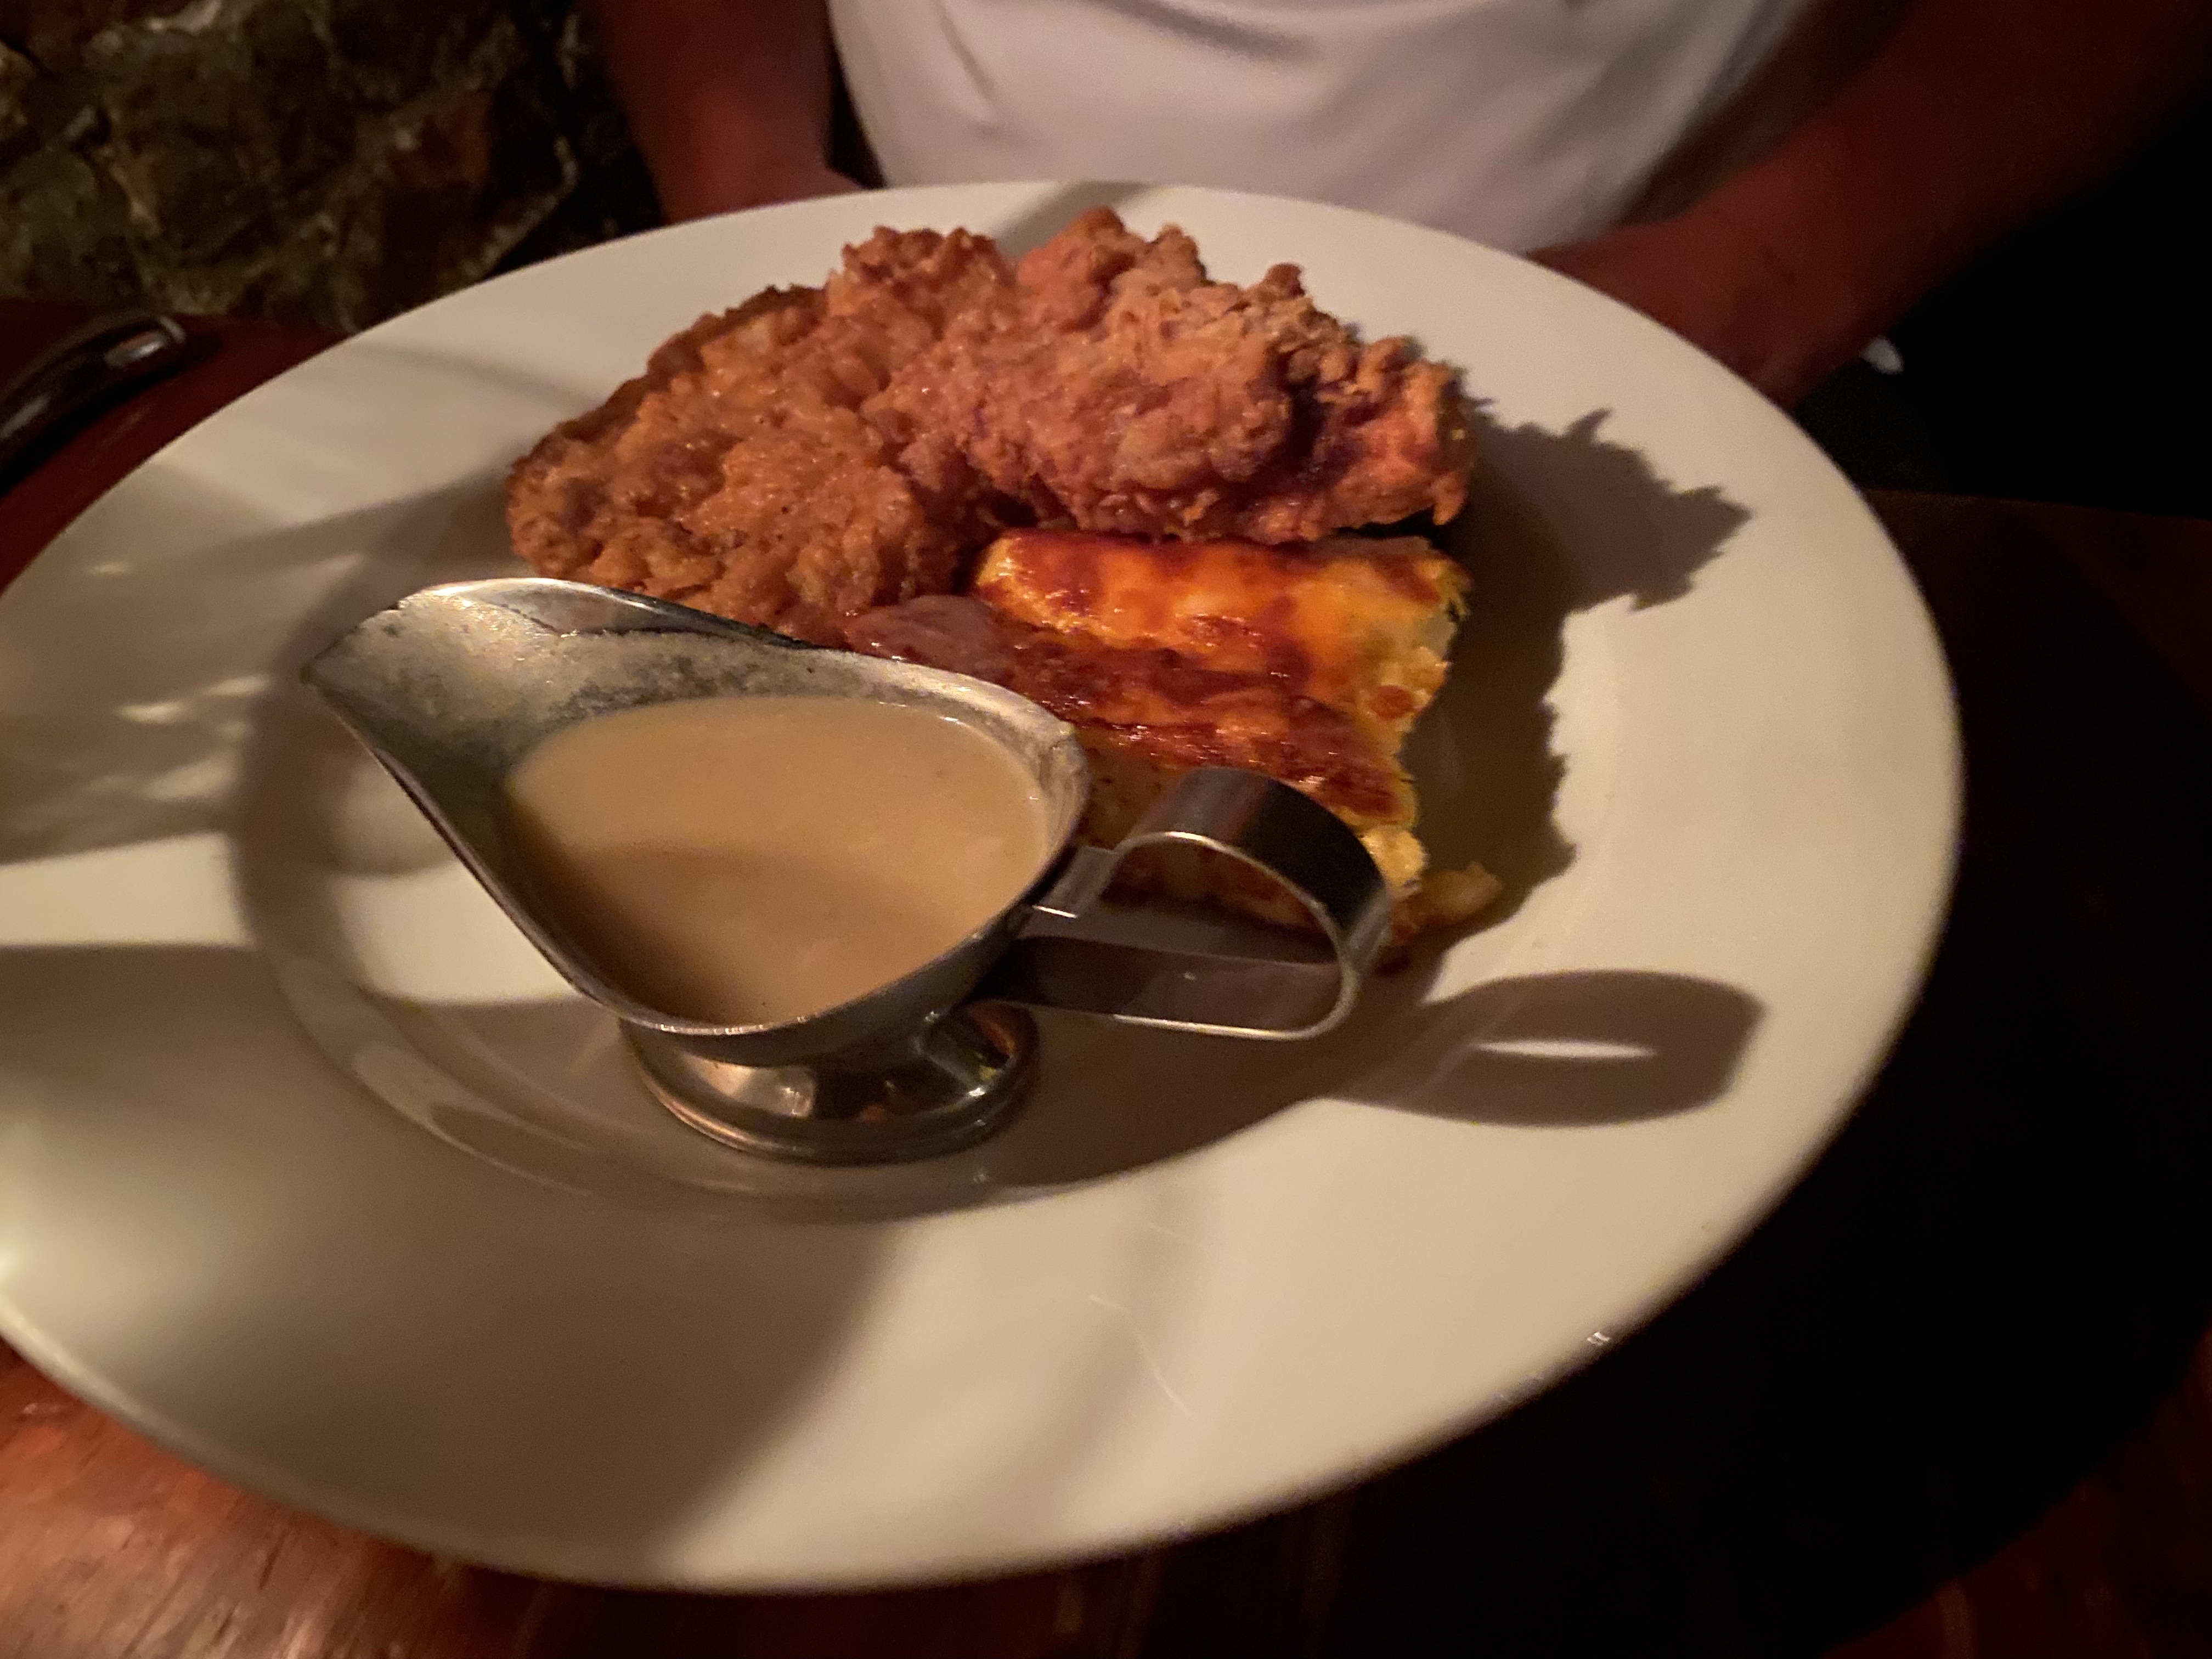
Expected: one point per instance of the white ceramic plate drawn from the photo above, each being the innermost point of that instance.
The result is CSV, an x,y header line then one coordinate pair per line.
x,y
1699,721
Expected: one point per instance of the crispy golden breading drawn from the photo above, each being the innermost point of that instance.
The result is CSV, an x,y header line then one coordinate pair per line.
x,y
1117,389
816,454
740,473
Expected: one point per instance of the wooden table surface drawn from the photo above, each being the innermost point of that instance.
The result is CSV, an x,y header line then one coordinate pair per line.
x,y
1954,1399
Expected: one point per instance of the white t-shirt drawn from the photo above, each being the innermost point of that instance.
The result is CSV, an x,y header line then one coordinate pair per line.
x,y
1515,121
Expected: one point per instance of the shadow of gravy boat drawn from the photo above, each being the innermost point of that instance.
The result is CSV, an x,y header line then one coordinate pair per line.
x,y
450,689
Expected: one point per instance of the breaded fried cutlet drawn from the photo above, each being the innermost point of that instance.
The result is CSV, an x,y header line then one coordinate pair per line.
x,y
742,473
1117,389
816,454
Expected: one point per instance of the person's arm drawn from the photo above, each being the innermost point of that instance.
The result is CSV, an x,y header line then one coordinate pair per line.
x,y
728,99
1976,116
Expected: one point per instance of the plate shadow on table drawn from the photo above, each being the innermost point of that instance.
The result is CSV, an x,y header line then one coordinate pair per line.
x,y
1987,1286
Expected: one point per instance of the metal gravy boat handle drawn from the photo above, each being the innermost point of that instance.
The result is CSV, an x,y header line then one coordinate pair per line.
x,y
1145,964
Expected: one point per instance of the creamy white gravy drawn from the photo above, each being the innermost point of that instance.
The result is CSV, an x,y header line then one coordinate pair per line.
x,y
749,860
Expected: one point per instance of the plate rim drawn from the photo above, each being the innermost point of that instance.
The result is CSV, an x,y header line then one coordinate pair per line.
x,y
55,1357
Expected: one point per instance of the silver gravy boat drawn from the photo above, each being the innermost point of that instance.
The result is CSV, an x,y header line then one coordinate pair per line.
x,y
453,686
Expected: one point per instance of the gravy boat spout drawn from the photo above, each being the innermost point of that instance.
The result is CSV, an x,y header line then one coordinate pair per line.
x,y
450,689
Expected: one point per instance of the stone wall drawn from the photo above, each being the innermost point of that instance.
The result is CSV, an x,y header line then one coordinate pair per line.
x,y
322,160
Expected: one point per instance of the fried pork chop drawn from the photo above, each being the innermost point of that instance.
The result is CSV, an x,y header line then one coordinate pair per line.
x,y
818,453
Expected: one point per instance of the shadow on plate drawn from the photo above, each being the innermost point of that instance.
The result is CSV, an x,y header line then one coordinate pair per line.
x,y
1636,535
1557,1050
1575,1048
1483,755
210,1177
1050,216
546,1089
135,738
1570,1048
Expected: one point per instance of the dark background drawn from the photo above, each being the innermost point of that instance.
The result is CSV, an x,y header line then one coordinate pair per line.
x,y
2069,364
332,161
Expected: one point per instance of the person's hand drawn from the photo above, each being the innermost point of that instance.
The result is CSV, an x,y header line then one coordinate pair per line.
x,y
1724,293
1973,118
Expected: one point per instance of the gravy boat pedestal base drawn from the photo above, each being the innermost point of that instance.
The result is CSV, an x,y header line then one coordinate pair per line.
x,y
955,1081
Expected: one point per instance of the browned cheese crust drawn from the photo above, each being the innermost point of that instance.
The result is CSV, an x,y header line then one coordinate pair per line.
x,y
1152,706
1306,662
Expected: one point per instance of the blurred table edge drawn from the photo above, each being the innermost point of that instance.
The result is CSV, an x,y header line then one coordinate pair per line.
x,y
229,359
